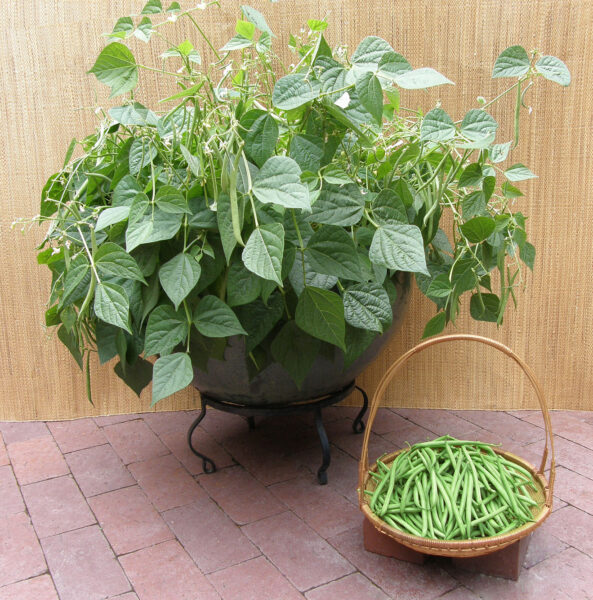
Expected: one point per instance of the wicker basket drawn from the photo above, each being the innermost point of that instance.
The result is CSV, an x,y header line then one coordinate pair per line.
x,y
478,546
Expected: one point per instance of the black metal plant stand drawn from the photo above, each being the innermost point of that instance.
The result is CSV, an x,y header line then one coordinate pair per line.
x,y
314,405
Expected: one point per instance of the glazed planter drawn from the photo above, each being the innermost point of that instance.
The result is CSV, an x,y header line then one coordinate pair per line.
x,y
228,380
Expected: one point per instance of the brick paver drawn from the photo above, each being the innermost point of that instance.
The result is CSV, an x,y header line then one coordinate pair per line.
x,y
124,511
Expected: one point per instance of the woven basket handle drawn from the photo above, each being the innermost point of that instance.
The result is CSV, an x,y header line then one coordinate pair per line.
x,y
399,363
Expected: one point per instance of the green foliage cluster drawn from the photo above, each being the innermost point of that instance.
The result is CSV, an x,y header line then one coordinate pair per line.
x,y
275,207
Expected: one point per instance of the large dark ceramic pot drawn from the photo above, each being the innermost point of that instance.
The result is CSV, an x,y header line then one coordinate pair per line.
x,y
228,380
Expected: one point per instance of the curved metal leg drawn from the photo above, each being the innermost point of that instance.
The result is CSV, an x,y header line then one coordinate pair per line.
x,y
358,423
207,463
321,472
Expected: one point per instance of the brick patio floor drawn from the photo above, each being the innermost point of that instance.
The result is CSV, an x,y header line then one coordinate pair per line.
x,y
118,507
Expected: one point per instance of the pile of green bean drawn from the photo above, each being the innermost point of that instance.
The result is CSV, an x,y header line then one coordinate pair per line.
x,y
451,489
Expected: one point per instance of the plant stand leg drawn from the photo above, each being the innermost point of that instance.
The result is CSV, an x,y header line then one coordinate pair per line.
x,y
358,423
321,472
207,463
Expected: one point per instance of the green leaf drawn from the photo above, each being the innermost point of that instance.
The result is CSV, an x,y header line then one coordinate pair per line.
x,y
116,67
225,225
106,341
123,28
307,151
527,254
320,313
113,260
77,281
437,126
420,79
165,329
70,340
295,350
554,69
367,306
112,305
393,64
170,200
242,286
237,43
170,374
259,319
510,191
440,287
476,230
435,325
136,376
125,191
246,29
146,226
357,341
519,172
261,139
478,125
213,318
174,7
399,247
472,176
311,276
152,7
338,205
264,44
142,153
255,17
193,161
512,62
144,30
112,215
484,307
331,251
388,208
499,152
369,52
294,90
370,94
263,252
279,182
179,277
473,205
133,114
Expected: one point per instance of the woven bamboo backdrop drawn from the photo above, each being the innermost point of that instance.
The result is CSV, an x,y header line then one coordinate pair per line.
x,y
46,47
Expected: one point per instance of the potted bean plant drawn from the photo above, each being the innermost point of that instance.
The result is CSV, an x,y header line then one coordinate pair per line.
x,y
257,229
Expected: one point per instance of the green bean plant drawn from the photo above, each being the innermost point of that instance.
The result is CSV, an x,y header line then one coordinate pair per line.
x,y
275,202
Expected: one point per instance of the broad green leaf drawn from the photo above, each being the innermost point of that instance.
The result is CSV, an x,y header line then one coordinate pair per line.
x,y
388,208
554,69
133,114
202,216
527,254
193,161
142,153
224,220
440,286
370,94
307,151
255,17
144,30
279,182
70,340
332,76
367,306
488,185
295,350
76,281
113,260
472,176
246,29
152,7
399,247
242,285
174,7
165,329
264,44
261,139
369,52
335,175
259,319
107,346
213,318
136,376
478,125
320,313
317,25
237,42
499,152
150,296
484,307
357,341
294,90
510,191
151,226
393,64
473,205
512,62
476,230
125,191
518,172
435,325
331,251
437,126
338,205
171,374
123,28
112,305
419,79
170,200
303,274
179,277
116,67
263,252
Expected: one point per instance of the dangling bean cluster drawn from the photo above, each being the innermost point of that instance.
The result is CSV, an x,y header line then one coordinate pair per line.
x,y
451,489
